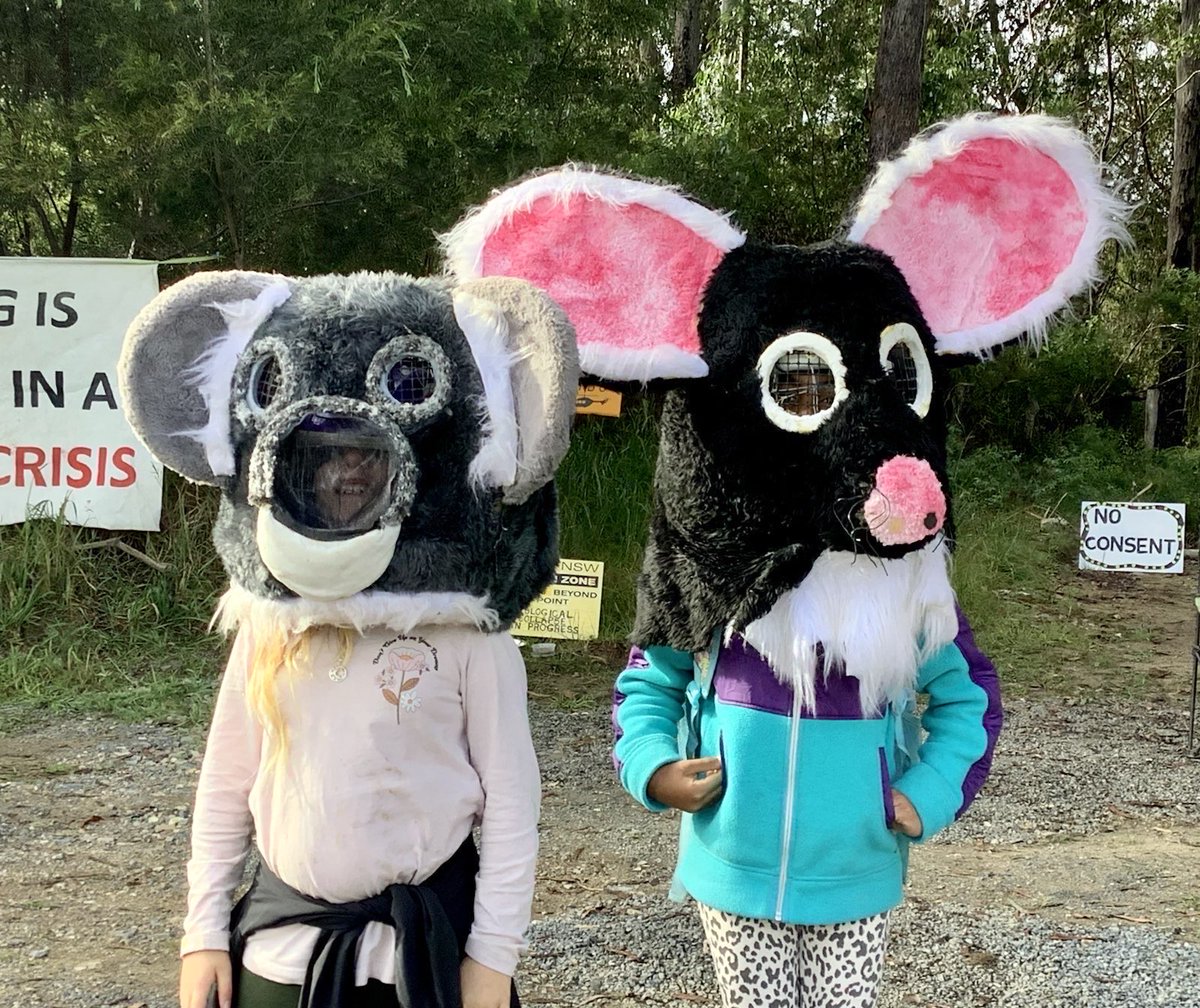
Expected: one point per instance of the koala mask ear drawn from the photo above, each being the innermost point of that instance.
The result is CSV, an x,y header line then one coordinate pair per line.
x,y
525,350
177,363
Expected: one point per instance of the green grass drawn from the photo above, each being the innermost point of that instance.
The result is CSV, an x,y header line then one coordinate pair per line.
x,y
1015,566
87,627
604,493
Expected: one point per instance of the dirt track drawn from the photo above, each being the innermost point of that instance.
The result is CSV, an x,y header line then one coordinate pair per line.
x,y
1090,822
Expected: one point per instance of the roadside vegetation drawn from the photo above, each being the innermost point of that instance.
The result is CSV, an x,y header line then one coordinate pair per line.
x,y
87,626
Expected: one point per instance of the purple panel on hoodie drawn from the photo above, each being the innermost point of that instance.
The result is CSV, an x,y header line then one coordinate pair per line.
x,y
983,674
744,679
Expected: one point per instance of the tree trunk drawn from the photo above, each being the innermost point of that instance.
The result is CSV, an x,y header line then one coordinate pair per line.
x,y
686,46
896,96
1173,370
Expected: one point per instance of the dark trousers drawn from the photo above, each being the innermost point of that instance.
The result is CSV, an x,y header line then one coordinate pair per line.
x,y
255,992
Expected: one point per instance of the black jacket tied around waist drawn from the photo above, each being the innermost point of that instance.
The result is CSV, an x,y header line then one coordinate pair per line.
x,y
431,920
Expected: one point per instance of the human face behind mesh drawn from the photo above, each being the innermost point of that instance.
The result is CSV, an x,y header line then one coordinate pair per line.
x,y
348,484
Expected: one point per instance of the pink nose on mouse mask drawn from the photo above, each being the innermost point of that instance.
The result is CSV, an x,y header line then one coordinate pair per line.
x,y
907,503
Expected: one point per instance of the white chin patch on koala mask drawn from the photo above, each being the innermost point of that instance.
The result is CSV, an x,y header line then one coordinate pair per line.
x,y
324,570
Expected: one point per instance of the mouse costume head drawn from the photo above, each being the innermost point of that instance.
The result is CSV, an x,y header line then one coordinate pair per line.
x,y
801,494
385,446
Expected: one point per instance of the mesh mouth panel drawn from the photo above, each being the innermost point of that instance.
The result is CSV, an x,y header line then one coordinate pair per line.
x,y
335,476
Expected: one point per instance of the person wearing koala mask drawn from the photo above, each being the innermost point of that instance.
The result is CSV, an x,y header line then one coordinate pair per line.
x,y
795,593
385,450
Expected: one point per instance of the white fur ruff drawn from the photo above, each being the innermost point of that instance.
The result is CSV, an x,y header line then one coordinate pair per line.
x,y
465,242
212,372
399,611
486,327
1105,213
879,618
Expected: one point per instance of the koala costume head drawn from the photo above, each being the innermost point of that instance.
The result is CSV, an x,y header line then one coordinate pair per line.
x,y
385,446
801,496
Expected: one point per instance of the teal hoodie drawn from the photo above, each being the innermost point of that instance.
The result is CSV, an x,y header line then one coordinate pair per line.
x,y
802,831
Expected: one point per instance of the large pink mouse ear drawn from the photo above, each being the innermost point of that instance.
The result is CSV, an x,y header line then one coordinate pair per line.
x,y
626,260
995,223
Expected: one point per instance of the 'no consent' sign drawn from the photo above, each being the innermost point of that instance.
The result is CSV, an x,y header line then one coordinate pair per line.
x,y
1141,538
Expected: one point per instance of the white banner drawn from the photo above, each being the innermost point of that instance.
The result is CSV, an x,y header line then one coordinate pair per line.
x,y
1141,538
65,446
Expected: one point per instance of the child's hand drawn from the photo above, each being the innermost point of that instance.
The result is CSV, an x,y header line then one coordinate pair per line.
x,y
483,987
199,971
906,819
687,785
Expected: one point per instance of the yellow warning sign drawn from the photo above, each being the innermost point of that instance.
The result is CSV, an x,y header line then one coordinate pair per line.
x,y
598,401
569,608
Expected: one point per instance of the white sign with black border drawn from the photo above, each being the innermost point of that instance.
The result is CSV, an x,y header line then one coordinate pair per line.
x,y
1132,537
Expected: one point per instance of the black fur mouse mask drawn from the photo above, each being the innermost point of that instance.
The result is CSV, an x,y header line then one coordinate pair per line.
x,y
385,446
801,494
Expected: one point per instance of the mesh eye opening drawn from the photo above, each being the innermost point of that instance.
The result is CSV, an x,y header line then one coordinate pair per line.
x,y
902,369
904,361
410,380
802,381
802,384
265,382
411,377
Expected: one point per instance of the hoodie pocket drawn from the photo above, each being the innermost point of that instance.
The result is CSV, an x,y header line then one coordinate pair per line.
x,y
885,783
842,802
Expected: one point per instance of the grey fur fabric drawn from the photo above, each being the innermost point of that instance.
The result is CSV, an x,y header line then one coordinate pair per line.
x,y
457,536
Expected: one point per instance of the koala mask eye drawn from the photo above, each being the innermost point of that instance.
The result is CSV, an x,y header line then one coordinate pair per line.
x,y
410,377
803,381
905,362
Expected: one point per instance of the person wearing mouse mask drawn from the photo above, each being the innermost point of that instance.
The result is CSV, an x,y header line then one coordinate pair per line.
x,y
795,593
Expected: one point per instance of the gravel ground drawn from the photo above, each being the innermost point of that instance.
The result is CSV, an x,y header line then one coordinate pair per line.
x,y
1074,881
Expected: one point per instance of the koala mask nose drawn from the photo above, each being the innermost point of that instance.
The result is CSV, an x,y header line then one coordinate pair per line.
x,y
906,504
332,490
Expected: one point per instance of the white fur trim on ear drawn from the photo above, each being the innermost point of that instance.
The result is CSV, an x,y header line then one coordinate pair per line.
x,y
1105,213
212,372
622,364
465,241
486,328
399,611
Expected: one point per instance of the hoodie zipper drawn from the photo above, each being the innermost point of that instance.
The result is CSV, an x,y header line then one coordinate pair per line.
x,y
789,803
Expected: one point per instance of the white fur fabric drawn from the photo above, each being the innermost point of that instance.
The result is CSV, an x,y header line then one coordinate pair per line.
x,y
212,373
399,611
879,618
486,328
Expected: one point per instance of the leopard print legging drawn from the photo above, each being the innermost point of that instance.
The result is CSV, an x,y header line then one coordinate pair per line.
x,y
765,964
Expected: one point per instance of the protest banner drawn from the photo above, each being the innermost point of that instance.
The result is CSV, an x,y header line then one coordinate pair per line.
x,y
65,446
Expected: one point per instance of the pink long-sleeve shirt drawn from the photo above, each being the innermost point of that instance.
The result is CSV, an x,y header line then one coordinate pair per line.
x,y
385,772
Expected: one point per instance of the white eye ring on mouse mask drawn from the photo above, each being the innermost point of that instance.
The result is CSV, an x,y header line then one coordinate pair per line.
x,y
803,381
905,362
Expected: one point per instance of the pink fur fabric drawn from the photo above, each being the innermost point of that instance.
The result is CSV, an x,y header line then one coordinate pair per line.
x,y
1006,215
627,260
907,504
995,222
629,278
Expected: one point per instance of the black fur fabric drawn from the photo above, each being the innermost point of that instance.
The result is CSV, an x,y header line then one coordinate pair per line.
x,y
742,508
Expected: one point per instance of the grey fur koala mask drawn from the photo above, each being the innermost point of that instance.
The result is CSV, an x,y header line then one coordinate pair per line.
x,y
385,446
